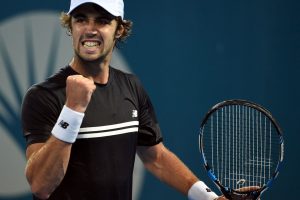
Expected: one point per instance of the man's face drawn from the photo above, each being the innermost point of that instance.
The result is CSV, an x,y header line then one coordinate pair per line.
x,y
93,33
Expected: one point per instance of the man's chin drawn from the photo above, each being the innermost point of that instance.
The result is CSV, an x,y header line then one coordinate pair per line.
x,y
91,59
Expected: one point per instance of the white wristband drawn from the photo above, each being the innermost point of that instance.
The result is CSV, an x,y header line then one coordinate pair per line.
x,y
200,191
68,125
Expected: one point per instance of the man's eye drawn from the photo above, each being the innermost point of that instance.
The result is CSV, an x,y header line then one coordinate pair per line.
x,y
79,19
104,21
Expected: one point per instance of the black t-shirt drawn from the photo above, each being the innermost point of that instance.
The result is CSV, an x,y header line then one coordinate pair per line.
x,y
119,117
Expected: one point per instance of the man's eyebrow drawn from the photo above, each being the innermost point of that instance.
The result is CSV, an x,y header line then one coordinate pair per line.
x,y
76,15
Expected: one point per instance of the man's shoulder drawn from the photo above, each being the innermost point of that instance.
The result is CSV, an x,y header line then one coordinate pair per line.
x,y
125,76
51,84
57,80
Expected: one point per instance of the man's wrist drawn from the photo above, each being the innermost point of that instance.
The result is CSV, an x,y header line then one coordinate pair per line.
x,y
201,191
67,125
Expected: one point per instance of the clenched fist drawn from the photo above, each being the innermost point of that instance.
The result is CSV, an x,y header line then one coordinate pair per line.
x,y
78,92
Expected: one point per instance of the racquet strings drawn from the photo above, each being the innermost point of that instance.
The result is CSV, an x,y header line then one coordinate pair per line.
x,y
241,146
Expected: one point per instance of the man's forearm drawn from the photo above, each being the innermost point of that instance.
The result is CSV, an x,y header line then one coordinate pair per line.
x,y
167,167
46,166
170,169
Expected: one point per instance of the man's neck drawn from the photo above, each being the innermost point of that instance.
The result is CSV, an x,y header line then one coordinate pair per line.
x,y
99,72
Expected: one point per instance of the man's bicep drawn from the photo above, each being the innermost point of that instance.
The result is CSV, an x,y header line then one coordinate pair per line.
x,y
150,154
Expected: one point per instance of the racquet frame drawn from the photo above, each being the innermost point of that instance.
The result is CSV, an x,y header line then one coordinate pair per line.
x,y
229,192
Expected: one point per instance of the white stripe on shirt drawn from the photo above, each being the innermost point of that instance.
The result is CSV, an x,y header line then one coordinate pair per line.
x,y
108,130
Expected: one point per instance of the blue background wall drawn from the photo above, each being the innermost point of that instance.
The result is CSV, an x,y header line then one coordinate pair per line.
x,y
192,54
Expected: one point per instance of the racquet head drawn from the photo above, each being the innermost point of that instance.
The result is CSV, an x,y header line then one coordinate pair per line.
x,y
241,147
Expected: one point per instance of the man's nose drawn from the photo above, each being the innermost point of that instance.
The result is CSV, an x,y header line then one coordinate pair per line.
x,y
91,27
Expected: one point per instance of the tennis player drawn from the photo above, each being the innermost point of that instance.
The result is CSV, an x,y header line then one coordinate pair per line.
x,y
84,125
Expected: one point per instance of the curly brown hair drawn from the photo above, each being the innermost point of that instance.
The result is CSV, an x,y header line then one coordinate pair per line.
x,y
65,21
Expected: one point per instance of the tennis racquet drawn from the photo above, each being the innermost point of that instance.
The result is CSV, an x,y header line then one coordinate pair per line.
x,y
241,147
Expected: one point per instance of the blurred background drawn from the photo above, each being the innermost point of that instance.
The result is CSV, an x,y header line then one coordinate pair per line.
x,y
188,54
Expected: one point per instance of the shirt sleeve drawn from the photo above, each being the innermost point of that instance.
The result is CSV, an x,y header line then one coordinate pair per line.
x,y
149,130
39,114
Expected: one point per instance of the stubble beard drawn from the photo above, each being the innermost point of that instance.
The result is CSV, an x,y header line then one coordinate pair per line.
x,y
90,66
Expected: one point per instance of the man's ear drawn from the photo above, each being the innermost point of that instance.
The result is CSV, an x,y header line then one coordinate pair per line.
x,y
119,31
69,32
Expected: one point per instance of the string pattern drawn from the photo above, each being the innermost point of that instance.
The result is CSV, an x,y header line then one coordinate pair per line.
x,y
241,146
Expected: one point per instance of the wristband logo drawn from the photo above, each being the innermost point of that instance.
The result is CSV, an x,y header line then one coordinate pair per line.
x,y
33,47
63,124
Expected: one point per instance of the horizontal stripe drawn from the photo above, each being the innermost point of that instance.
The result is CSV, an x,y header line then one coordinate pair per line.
x,y
109,127
108,133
